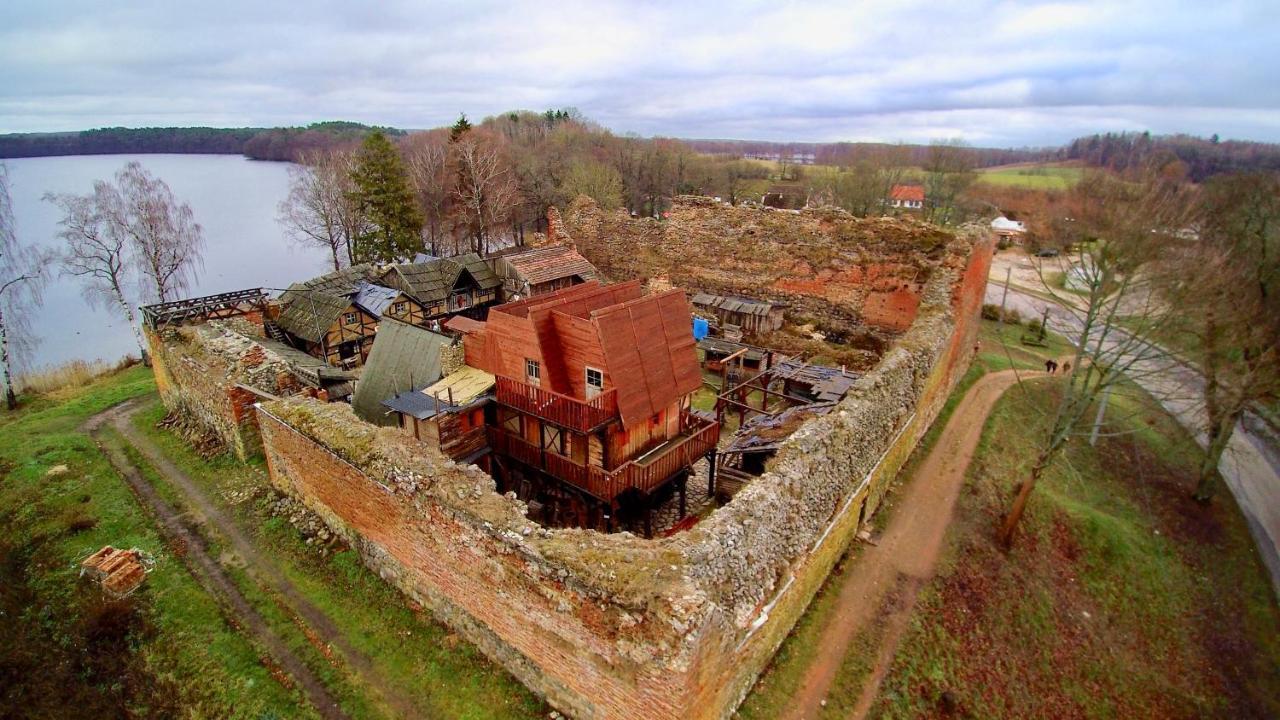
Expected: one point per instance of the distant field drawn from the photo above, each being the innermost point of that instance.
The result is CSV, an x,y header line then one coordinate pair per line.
x,y
1032,177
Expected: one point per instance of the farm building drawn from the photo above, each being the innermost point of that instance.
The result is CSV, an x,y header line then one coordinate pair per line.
x,y
542,270
448,414
446,286
910,197
752,316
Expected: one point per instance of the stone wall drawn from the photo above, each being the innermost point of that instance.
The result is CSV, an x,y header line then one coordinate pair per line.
x,y
212,375
614,626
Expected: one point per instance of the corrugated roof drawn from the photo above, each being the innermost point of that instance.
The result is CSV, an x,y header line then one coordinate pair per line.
x,y
461,386
434,280
403,357
553,262
746,306
310,315
374,299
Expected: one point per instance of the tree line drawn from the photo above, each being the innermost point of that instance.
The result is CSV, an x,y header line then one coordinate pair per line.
x,y
285,143
1202,157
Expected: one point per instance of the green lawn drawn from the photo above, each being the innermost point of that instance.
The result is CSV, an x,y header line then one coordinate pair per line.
x,y
1122,598
67,651
1032,177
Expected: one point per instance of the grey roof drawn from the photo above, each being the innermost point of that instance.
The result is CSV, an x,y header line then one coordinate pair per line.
x,y
310,315
434,280
747,306
403,357
374,299
423,257
339,282
725,347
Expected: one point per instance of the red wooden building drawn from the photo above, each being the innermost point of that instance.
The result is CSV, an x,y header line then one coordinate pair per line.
x,y
592,400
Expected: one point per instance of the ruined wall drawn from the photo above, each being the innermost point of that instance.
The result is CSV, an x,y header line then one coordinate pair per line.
x,y
199,371
829,266
613,625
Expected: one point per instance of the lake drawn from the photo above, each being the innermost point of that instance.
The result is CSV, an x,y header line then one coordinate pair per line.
x,y
234,199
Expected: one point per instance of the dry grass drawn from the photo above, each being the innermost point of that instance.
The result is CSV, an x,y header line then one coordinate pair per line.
x,y
51,379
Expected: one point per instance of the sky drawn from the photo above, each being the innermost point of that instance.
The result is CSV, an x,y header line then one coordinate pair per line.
x,y
1002,74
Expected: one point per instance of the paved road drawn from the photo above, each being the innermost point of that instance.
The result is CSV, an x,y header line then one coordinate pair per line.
x,y
1251,464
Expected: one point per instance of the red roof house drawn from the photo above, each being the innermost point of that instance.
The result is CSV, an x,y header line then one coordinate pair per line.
x,y
907,196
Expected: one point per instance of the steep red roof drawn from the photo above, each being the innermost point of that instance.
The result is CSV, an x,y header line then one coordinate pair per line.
x,y
907,192
649,347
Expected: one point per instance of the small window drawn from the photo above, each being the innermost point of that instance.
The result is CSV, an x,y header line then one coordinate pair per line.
x,y
349,318
595,382
399,308
532,371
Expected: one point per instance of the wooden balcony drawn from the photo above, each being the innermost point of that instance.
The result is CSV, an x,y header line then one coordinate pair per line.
x,y
646,473
562,410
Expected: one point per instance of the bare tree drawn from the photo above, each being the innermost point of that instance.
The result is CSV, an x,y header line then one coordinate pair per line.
x,y
1127,223
948,172
1230,271
167,242
318,211
426,157
863,186
96,255
485,191
23,273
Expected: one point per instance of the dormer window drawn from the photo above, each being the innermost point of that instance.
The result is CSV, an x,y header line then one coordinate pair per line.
x,y
349,318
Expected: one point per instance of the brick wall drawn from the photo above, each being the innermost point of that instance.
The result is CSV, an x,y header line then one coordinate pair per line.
x,y
614,626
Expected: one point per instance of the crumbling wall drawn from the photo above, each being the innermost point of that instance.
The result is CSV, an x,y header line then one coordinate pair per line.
x,y
840,271
211,375
613,625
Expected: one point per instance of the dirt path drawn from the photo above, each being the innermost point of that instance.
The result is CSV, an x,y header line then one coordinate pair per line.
x,y
884,583
266,572
207,570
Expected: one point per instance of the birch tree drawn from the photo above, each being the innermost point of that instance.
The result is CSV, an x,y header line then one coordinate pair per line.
x,y
166,241
1127,225
97,255
485,191
427,160
23,273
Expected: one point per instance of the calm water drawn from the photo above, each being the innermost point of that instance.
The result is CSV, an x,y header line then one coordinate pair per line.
x,y
234,199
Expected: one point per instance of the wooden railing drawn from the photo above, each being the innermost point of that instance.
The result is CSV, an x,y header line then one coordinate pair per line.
x,y
562,410
646,475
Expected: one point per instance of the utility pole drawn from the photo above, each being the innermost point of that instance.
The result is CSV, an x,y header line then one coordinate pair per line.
x,y
1097,421
1007,272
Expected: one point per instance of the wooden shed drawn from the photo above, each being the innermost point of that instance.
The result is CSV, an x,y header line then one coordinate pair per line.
x,y
753,316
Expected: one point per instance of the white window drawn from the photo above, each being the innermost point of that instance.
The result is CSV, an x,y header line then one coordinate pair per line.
x,y
532,371
349,318
399,308
595,382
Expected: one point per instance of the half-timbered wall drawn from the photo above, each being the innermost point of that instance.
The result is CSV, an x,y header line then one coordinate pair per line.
x,y
360,329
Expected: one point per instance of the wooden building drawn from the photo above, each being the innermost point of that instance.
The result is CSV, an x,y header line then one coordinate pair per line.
x,y
755,317
447,286
592,391
538,271
404,357
381,301
330,327
448,414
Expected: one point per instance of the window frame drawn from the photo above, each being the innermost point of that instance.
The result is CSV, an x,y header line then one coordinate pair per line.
x,y
533,372
592,389
351,318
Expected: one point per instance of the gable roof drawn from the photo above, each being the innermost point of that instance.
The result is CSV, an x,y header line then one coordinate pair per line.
x,y
433,281
553,262
403,357
374,299
649,348
339,282
310,314
907,192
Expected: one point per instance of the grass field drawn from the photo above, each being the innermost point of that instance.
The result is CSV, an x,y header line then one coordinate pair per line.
x,y
170,649
1122,598
68,652
1032,177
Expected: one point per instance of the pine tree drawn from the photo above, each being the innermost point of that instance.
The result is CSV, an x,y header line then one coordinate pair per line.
x,y
459,128
386,199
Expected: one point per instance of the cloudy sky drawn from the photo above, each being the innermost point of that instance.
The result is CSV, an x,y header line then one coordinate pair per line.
x,y
995,73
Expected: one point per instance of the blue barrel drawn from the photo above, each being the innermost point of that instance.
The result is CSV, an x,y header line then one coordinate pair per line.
x,y
700,328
